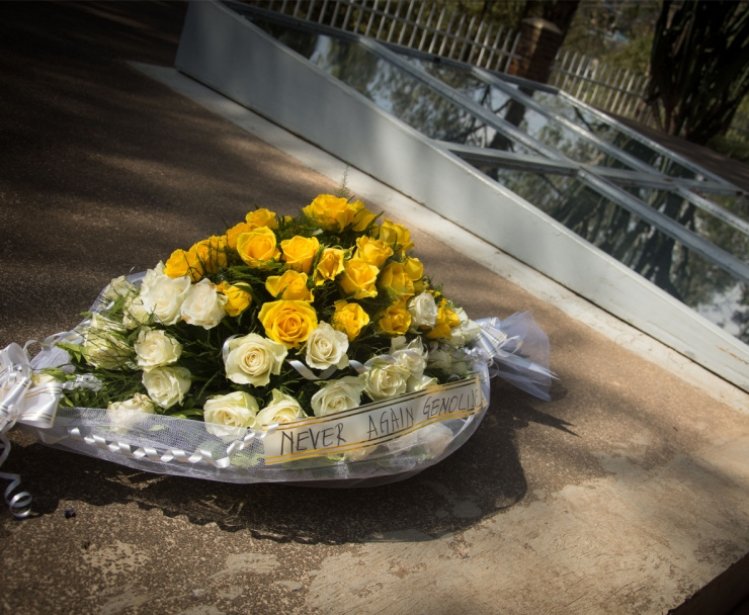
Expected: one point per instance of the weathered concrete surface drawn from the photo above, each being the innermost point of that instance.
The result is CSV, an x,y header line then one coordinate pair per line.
x,y
626,494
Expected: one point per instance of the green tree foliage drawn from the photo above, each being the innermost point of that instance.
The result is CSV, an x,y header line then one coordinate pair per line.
x,y
559,12
699,66
616,32
498,12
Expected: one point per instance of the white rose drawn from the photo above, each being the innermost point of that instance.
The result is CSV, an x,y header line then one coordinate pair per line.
x,y
162,296
203,305
282,409
125,414
440,359
155,348
104,343
337,396
454,362
466,331
423,310
326,347
252,359
385,378
420,383
229,416
134,313
167,385
411,356
105,325
119,288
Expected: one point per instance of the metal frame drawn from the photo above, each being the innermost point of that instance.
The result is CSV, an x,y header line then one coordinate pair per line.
x,y
225,51
654,145
529,103
658,181
662,222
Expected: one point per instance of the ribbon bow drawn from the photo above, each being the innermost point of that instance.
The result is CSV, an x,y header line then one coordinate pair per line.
x,y
520,351
22,401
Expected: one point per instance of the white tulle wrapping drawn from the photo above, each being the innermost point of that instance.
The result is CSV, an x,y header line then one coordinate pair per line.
x,y
515,349
183,447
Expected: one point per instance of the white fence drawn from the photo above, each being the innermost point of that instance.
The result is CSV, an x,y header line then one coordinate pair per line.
x,y
616,90
441,30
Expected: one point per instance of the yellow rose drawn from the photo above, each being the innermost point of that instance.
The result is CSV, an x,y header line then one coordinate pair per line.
x,y
181,263
362,218
395,235
372,251
211,253
395,320
299,252
238,298
292,285
288,322
329,266
253,220
332,213
395,280
446,321
414,268
262,217
235,231
258,247
205,256
349,318
359,279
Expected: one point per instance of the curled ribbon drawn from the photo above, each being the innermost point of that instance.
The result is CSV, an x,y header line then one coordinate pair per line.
x,y
22,401
520,352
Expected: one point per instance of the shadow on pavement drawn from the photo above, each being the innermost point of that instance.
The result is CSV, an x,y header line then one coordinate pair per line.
x,y
482,477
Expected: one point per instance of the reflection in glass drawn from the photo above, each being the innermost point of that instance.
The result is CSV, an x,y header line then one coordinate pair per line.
x,y
697,220
464,82
736,204
708,289
392,89
543,129
684,274
606,131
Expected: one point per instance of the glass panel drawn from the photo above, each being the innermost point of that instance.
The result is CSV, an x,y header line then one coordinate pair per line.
x,y
463,81
606,131
736,204
701,222
392,89
708,289
689,277
543,129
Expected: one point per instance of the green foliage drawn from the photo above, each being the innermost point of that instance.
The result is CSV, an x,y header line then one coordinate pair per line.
x,y
633,55
617,33
505,13
699,66
733,147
